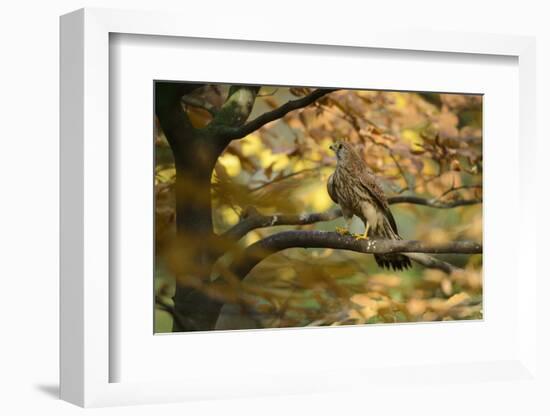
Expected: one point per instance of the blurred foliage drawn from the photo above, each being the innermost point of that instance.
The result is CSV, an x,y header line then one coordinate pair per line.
x,y
424,144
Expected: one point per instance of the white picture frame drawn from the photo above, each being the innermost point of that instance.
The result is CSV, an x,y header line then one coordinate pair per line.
x,y
86,356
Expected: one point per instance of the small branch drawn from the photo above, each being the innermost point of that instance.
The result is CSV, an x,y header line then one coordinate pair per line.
x,y
458,188
258,251
260,121
401,172
284,177
433,203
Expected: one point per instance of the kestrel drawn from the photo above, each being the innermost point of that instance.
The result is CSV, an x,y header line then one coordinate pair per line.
x,y
354,187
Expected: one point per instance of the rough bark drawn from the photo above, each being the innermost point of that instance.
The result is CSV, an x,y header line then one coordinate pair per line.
x,y
264,248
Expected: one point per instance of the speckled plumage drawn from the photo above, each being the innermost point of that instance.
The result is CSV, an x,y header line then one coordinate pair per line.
x,y
355,188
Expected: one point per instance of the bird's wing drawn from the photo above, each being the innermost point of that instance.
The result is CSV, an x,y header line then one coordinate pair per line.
x,y
331,188
369,182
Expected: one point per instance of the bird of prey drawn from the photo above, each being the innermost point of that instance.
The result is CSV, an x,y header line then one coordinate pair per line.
x,y
354,187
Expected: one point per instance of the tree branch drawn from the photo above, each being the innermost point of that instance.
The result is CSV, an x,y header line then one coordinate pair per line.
x,y
433,203
431,262
260,121
255,219
258,251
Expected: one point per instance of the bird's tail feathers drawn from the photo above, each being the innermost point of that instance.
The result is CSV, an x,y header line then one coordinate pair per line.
x,y
395,261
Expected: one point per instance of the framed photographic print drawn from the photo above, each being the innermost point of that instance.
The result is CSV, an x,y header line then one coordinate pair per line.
x,y
267,206
287,223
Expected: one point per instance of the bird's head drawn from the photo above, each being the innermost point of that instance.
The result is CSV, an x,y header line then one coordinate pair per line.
x,y
342,149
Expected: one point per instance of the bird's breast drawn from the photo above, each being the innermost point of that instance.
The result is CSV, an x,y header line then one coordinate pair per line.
x,y
348,191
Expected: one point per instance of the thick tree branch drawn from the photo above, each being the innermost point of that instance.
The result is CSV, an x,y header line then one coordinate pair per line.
x,y
258,251
260,121
255,220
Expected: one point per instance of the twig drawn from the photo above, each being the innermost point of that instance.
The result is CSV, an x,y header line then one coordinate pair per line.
x,y
284,177
401,172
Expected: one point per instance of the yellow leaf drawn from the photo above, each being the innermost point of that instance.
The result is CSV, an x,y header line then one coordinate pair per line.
x,y
251,145
413,139
229,216
231,163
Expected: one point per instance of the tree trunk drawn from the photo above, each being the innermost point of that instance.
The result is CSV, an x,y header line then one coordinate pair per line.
x,y
195,157
195,154
194,220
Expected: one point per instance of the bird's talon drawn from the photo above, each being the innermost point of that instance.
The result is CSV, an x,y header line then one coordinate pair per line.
x,y
361,237
342,231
